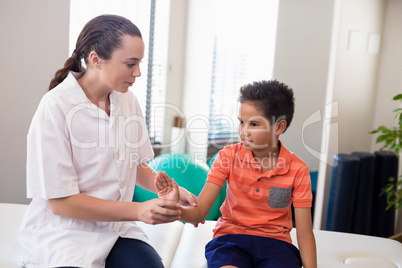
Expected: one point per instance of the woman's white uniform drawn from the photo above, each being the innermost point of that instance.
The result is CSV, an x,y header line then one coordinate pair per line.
x,y
75,147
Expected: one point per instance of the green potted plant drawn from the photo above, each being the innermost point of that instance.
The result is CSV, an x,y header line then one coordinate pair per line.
x,y
392,141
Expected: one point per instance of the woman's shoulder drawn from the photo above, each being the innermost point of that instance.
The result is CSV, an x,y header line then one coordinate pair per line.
x,y
61,98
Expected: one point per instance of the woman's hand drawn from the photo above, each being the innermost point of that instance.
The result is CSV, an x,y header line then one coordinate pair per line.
x,y
158,211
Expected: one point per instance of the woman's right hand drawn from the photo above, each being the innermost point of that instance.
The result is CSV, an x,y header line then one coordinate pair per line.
x,y
157,211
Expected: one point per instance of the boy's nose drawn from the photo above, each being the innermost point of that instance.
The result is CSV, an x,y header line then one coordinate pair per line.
x,y
244,131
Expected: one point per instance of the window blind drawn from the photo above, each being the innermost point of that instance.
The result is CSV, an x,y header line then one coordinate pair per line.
x,y
244,46
228,74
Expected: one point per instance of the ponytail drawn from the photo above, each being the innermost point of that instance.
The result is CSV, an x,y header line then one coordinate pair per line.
x,y
72,64
102,34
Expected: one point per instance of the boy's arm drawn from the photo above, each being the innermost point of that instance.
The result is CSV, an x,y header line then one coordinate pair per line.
x,y
167,188
146,178
305,237
205,201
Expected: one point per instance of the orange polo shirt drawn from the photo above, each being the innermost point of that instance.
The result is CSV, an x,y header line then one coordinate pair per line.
x,y
259,203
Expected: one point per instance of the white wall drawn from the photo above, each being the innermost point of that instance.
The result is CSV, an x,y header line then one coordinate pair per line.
x,y
175,71
353,77
197,77
356,74
302,61
34,44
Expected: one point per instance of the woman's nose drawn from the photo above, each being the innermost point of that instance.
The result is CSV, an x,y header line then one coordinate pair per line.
x,y
136,72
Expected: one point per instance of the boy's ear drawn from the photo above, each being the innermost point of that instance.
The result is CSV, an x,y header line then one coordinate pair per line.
x,y
280,127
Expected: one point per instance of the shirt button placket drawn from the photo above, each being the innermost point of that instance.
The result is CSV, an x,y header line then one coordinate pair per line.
x,y
258,189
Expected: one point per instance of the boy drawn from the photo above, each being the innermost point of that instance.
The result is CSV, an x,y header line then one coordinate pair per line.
x,y
264,178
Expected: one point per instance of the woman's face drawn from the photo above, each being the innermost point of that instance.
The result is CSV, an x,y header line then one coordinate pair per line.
x,y
120,71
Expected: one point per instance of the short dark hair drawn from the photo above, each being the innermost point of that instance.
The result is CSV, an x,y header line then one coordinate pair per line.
x,y
273,98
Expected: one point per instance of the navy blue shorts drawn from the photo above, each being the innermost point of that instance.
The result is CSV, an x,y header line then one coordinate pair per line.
x,y
128,252
251,251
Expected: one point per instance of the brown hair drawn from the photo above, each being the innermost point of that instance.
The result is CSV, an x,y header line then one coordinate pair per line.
x,y
103,35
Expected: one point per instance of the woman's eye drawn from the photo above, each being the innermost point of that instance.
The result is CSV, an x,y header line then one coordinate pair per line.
x,y
130,65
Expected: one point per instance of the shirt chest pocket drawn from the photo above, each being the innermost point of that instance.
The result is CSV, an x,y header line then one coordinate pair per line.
x,y
279,197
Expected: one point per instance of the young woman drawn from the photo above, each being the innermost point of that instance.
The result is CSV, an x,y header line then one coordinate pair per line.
x,y
87,149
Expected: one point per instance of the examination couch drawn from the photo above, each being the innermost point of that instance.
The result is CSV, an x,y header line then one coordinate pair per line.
x,y
182,246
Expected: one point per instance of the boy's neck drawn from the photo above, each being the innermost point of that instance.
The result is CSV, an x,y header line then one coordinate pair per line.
x,y
267,159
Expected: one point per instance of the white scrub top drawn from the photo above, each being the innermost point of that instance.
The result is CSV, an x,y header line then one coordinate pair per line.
x,y
75,147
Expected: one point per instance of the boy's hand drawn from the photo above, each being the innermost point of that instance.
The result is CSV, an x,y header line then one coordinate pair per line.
x,y
187,198
166,188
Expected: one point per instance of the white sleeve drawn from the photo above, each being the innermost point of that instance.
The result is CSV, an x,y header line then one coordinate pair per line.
x,y
50,170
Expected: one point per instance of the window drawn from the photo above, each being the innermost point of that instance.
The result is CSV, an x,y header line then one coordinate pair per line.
x,y
244,45
152,18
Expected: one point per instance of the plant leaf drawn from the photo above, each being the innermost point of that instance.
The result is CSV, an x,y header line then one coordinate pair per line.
x,y
398,97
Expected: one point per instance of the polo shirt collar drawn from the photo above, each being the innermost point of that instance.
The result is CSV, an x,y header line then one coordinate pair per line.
x,y
73,90
77,96
282,167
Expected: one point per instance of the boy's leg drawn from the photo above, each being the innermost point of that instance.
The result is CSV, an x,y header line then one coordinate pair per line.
x,y
133,253
276,253
227,251
251,251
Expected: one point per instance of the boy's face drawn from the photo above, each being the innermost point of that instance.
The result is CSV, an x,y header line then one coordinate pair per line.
x,y
255,130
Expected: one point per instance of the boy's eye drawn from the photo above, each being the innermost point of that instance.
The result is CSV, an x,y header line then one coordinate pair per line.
x,y
253,124
240,122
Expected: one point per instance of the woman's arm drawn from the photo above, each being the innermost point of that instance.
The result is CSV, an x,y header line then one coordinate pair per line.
x,y
88,208
84,207
145,177
305,237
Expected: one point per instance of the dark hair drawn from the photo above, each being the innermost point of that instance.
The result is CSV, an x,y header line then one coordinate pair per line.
x,y
273,98
102,34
